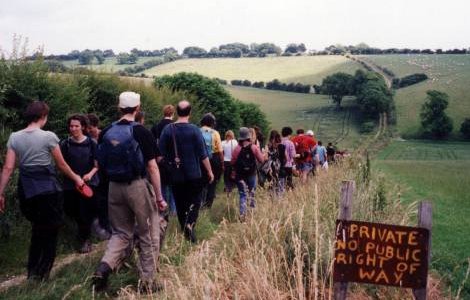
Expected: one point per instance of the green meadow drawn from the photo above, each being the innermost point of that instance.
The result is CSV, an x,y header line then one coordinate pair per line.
x,y
439,172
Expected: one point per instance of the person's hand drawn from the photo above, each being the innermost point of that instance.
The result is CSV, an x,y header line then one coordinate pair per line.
x,y
162,205
79,181
2,203
87,177
211,177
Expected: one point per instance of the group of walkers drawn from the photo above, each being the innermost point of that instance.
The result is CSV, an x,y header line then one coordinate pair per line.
x,y
122,182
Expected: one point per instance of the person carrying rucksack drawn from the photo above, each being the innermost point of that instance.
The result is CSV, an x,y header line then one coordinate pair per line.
x,y
79,151
244,158
214,149
273,167
126,153
304,146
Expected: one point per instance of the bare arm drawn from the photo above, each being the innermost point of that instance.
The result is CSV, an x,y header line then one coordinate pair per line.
x,y
207,166
64,167
89,175
8,169
154,175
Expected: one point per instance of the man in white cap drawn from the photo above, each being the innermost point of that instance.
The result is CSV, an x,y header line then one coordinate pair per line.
x,y
126,154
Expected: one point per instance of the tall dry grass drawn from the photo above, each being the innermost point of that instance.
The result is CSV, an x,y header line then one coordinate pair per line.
x,y
285,248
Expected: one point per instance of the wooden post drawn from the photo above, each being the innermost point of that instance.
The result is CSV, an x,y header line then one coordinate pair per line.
x,y
345,213
424,221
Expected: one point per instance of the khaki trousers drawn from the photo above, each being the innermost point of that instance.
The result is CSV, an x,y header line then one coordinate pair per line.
x,y
132,209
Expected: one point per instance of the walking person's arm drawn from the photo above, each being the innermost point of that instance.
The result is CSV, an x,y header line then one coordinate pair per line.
x,y
64,167
7,170
207,165
154,176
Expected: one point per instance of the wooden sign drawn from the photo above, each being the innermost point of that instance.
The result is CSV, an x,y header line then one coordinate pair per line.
x,y
381,254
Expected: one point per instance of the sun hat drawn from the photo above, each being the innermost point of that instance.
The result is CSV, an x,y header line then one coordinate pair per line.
x,y
310,132
244,134
129,99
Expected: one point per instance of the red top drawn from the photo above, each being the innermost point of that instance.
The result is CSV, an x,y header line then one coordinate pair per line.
x,y
304,144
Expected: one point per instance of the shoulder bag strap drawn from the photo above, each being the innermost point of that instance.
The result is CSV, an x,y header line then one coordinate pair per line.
x,y
173,128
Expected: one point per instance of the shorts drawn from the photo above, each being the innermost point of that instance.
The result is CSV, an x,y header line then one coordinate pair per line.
x,y
305,166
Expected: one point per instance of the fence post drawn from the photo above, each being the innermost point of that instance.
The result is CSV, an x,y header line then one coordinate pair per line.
x,y
424,221
345,213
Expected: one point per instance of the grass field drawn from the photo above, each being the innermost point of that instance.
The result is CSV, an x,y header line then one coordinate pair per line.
x,y
304,69
447,73
439,172
110,64
306,111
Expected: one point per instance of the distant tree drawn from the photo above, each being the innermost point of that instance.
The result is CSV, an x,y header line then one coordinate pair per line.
x,y
122,58
108,53
74,54
258,84
133,58
337,86
434,121
246,82
465,128
85,57
100,58
194,52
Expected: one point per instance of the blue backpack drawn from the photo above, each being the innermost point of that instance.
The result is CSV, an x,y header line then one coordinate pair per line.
x,y
207,135
119,154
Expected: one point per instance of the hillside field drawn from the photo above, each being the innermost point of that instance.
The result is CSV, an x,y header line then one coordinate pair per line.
x,y
303,69
439,172
447,73
307,111
110,64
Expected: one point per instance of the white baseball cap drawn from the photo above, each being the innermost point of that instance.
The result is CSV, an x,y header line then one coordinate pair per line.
x,y
310,132
129,99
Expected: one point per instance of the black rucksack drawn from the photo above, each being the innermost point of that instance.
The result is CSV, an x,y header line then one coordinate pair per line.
x,y
119,154
246,162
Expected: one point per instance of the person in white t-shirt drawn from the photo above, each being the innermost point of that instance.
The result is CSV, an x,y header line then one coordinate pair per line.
x,y
228,145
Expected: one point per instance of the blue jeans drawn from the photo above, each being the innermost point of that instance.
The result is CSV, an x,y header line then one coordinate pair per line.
x,y
246,189
168,196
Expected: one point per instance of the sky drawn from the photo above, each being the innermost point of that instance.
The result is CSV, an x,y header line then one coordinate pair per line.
x,y
60,26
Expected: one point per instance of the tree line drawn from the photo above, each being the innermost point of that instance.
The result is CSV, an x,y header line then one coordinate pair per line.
x,y
274,85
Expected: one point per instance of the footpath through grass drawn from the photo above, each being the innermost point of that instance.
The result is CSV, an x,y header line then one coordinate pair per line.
x,y
439,172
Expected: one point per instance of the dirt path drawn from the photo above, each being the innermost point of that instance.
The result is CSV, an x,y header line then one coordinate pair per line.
x,y
59,264
375,68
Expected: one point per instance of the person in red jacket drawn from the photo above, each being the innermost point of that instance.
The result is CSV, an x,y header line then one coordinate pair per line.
x,y
304,146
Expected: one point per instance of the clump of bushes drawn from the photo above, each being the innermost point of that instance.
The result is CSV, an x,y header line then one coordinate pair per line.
x,y
409,80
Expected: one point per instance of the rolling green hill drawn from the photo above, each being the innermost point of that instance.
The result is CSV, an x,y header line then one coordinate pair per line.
x,y
304,69
306,111
447,73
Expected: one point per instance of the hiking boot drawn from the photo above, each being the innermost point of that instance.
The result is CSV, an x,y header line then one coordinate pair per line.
x,y
150,287
100,277
189,235
86,247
